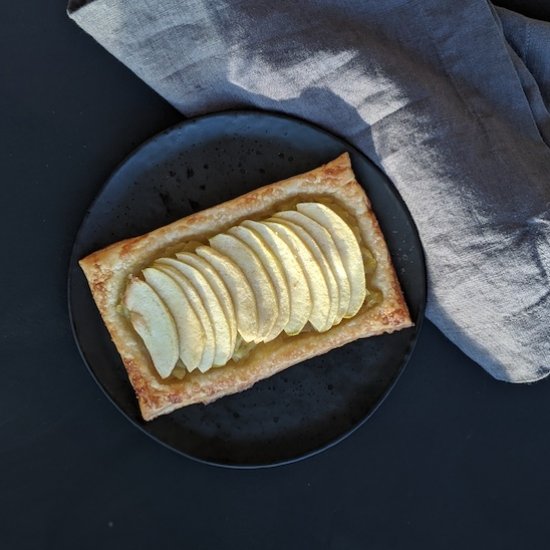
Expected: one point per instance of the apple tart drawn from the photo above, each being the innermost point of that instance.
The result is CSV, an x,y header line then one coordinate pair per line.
x,y
214,302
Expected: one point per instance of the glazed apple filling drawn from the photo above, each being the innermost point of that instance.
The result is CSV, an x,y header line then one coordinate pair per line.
x,y
301,269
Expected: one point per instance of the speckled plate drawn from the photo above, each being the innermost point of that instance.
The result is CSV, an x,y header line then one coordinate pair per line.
x,y
200,163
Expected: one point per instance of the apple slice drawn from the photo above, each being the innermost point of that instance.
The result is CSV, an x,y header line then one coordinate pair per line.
x,y
152,321
208,349
322,262
347,246
219,288
299,295
320,298
211,304
243,256
274,270
190,332
239,289
326,244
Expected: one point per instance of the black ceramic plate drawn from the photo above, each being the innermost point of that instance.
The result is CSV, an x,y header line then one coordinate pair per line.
x,y
203,162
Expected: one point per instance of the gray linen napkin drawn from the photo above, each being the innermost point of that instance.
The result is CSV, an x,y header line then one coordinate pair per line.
x,y
449,98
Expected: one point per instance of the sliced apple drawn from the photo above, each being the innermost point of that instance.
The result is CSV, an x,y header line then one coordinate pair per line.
x,y
211,304
191,335
243,256
326,244
318,288
153,322
274,270
347,246
322,262
300,303
208,349
219,288
240,290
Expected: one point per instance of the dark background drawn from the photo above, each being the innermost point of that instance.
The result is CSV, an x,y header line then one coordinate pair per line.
x,y
453,459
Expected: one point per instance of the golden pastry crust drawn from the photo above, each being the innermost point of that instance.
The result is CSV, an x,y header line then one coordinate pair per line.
x,y
107,272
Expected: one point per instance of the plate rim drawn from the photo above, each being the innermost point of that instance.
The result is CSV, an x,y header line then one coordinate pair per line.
x,y
73,263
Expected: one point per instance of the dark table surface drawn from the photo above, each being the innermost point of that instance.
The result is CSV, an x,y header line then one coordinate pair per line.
x,y
453,458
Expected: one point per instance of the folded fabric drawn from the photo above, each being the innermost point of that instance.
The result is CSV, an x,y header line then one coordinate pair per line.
x,y
449,98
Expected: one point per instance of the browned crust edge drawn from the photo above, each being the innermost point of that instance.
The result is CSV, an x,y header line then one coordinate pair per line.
x,y
108,269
